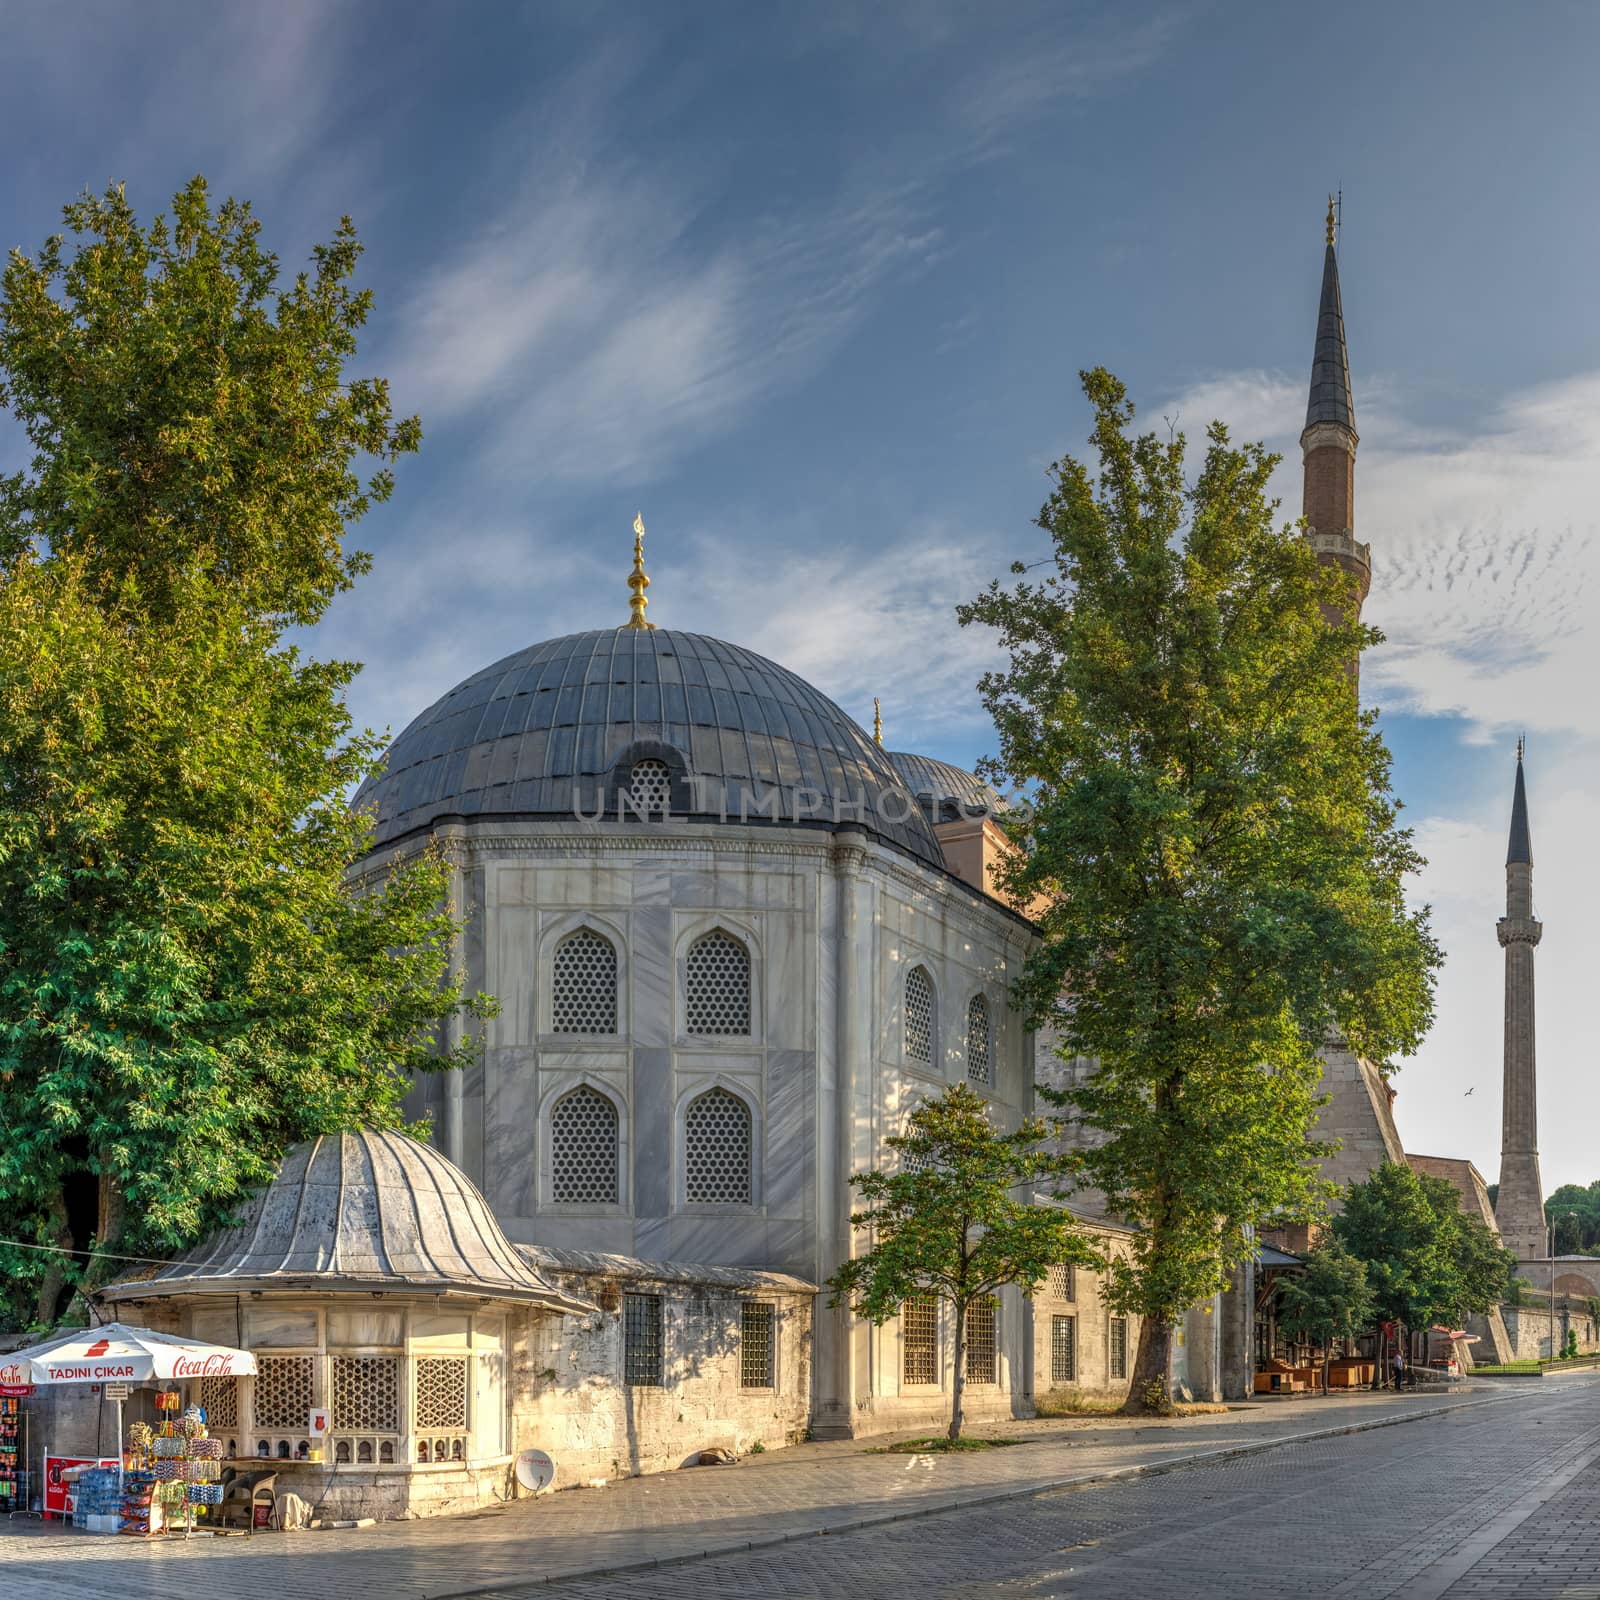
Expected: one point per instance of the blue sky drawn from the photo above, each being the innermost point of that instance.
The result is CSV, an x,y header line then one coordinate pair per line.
x,y
810,285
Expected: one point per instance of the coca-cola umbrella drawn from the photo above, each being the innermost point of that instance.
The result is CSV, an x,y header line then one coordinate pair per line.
x,y
120,1354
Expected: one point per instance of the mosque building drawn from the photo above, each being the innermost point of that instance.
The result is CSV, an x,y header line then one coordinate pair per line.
x,y
735,941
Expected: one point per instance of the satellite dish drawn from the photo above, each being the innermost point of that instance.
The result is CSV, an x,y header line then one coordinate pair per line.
x,y
535,1471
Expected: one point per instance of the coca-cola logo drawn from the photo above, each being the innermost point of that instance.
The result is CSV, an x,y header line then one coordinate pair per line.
x,y
13,1373
212,1366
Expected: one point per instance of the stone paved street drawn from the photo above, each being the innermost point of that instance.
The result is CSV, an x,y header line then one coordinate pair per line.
x,y
1477,1488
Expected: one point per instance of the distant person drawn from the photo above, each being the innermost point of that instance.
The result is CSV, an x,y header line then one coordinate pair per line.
x,y
1399,1368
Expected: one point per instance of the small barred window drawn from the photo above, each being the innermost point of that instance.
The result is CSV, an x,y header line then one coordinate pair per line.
x,y
583,1149
978,1039
716,1150
755,1344
366,1394
283,1397
717,986
980,1340
1063,1349
641,1340
1119,1347
919,1339
919,1015
583,988
649,788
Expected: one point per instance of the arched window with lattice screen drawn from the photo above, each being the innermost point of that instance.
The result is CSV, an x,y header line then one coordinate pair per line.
x,y
583,1149
717,986
978,1065
919,1016
649,788
583,984
716,1150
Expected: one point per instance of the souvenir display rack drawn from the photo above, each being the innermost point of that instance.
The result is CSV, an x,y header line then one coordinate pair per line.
x,y
11,1477
177,1467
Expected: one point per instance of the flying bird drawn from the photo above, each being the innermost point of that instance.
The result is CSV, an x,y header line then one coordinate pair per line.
x,y
1469,1091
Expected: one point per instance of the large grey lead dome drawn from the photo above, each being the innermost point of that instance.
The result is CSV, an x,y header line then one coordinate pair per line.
x,y
541,734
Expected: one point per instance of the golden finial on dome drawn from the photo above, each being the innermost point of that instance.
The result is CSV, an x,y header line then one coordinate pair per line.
x,y
637,581
877,723
1333,217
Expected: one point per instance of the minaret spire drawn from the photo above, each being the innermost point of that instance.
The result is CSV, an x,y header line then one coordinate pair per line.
x,y
1329,441
1519,1205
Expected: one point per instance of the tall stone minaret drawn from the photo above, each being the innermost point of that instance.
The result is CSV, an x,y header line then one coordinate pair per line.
x,y
1359,1112
1329,441
1519,1207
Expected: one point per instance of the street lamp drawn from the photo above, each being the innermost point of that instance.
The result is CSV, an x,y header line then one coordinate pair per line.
x,y
1551,1232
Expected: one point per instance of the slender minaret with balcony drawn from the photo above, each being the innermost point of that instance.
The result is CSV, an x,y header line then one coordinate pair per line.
x,y
1359,1112
1328,444
1519,1206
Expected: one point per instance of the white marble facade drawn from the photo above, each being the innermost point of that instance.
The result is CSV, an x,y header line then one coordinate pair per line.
x,y
833,920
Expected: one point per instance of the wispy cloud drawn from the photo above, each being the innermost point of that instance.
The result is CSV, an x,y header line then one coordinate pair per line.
x,y
602,340
1063,63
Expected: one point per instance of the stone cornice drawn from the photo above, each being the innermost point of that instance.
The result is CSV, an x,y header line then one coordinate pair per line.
x,y
471,846
1518,930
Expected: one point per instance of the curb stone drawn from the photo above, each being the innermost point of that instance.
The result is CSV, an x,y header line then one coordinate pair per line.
x,y
1062,1485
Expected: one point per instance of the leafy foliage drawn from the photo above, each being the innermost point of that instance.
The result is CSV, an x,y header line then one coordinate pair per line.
x,y
190,978
1211,846
1427,1259
950,1223
1574,1212
1330,1300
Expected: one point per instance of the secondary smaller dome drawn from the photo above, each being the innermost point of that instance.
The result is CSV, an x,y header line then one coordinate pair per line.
x,y
946,793
373,1212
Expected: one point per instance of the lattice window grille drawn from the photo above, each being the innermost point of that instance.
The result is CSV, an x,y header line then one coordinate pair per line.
x,y
919,1015
1061,1283
284,1391
583,1148
717,984
978,1039
641,1340
916,1160
441,1392
219,1398
981,1340
649,787
584,984
919,1340
1063,1349
1119,1347
716,1150
366,1394
756,1324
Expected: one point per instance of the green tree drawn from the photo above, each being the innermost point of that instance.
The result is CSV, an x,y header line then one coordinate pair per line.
x,y
1427,1259
190,976
1211,849
957,1221
1329,1300
1574,1211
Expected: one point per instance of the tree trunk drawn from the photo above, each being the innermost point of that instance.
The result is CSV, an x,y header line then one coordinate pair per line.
x,y
958,1379
1149,1394
113,1211
47,1304
1327,1362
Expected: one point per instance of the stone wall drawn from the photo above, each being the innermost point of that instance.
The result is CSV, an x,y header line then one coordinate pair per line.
x,y
1528,1330
569,1399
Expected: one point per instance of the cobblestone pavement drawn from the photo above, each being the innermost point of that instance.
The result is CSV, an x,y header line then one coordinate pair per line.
x,y
1352,1505
1496,1503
